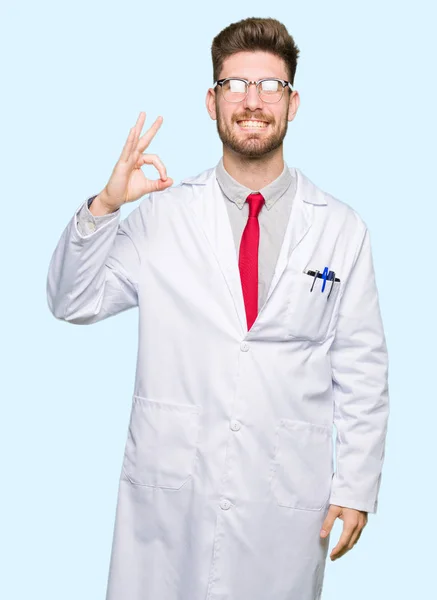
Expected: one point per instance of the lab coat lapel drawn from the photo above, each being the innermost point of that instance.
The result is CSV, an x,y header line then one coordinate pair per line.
x,y
210,211
300,220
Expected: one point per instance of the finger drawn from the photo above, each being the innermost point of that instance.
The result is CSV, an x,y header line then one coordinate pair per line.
x,y
354,539
127,148
358,536
153,159
158,185
333,512
358,531
132,139
340,554
149,135
342,546
139,125
345,537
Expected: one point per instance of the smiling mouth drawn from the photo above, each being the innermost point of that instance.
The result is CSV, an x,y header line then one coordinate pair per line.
x,y
252,124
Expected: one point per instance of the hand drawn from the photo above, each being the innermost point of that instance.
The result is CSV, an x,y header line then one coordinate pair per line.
x,y
128,182
354,522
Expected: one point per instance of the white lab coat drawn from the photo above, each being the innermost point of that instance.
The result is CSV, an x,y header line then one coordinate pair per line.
x,y
228,469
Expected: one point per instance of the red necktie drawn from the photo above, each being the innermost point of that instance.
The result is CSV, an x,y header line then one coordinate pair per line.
x,y
248,258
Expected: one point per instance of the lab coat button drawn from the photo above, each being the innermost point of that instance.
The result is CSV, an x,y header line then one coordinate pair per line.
x,y
91,226
235,425
244,346
225,504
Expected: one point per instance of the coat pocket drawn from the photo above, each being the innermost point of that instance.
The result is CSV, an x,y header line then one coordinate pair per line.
x,y
302,465
309,313
161,444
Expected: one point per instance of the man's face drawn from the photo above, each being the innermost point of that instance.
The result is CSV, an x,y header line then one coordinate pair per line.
x,y
246,141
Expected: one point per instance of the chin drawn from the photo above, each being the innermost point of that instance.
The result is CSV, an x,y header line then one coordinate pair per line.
x,y
251,144
254,147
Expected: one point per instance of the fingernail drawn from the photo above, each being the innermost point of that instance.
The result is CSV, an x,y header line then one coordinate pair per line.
x,y
323,532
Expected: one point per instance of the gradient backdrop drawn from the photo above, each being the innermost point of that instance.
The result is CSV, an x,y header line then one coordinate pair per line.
x,y
74,79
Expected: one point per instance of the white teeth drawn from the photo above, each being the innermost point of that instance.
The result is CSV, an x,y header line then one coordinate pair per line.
x,y
258,124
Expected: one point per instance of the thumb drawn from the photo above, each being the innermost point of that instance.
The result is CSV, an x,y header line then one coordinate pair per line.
x,y
328,523
160,185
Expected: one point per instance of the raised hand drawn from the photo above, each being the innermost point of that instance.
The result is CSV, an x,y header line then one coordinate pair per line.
x,y
128,182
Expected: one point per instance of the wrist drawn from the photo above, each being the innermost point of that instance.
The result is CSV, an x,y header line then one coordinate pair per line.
x,y
99,207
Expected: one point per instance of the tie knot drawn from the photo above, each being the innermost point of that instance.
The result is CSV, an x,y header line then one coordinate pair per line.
x,y
255,201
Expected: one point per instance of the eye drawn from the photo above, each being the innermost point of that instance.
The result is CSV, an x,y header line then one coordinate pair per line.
x,y
236,86
270,85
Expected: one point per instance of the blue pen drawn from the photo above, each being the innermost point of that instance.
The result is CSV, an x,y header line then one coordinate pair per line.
x,y
324,275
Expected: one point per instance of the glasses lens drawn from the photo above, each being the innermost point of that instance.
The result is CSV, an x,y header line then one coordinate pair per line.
x,y
270,90
234,90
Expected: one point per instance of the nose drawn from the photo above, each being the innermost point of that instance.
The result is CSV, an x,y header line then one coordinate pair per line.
x,y
252,100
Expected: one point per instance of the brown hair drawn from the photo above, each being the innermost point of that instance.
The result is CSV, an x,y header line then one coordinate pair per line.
x,y
268,35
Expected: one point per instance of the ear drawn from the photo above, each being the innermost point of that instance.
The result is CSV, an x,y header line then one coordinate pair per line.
x,y
293,104
211,104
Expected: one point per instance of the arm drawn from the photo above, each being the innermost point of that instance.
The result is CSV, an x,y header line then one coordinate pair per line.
x,y
95,268
360,386
94,276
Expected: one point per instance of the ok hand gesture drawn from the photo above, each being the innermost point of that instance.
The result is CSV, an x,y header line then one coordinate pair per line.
x,y
128,182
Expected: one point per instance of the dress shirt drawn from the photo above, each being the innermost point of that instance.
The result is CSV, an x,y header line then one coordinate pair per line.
x,y
273,218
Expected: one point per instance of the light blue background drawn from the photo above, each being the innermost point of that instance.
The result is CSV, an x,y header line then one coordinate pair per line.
x,y
74,79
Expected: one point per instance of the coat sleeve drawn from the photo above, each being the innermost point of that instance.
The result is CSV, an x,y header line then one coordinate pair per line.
x,y
94,276
87,222
360,386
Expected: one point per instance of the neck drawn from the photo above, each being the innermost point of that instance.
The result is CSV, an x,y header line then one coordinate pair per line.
x,y
254,173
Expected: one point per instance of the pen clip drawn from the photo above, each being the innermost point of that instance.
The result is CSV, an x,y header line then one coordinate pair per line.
x,y
314,280
332,282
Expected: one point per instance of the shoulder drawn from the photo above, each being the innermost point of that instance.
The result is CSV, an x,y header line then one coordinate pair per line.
x,y
186,187
175,198
335,209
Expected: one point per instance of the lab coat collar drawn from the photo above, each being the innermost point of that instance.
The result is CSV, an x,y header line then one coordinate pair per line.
x,y
309,192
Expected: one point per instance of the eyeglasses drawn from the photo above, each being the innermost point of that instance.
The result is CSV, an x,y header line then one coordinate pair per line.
x,y
235,89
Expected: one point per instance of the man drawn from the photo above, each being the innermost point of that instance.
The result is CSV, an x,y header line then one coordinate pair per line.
x,y
259,328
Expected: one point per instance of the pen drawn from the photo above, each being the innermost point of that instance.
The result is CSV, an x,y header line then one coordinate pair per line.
x,y
324,275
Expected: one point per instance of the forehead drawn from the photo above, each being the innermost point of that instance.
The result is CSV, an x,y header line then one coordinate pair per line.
x,y
254,66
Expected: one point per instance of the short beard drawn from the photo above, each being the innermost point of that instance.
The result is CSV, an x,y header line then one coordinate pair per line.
x,y
252,147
